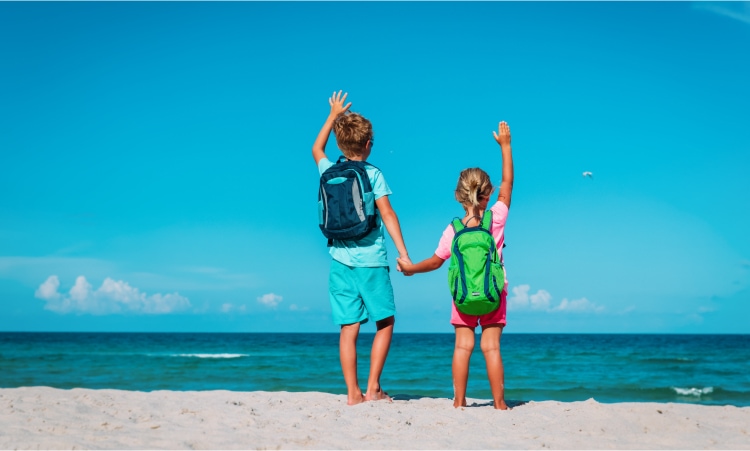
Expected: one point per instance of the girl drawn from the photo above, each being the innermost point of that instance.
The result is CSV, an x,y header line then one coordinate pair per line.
x,y
473,193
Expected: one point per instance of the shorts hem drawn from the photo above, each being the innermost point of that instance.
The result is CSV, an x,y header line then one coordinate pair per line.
x,y
384,317
346,322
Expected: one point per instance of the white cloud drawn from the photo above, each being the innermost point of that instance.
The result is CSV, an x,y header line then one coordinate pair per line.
x,y
541,301
82,289
521,299
734,10
578,305
297,308
111,297
270,300
164,303
48,289
228,308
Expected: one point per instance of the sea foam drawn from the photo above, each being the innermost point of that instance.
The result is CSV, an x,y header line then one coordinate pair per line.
x,y
693,391
212,356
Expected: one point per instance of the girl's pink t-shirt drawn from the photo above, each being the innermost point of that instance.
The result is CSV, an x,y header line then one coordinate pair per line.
x,y
499,217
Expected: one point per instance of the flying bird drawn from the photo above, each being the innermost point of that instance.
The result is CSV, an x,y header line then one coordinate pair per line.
x,y
588,174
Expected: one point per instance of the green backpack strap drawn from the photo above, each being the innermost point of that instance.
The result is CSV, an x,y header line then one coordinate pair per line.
x,y
487,220
457,225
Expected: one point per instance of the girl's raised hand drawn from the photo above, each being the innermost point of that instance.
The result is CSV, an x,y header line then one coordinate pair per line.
x,y
502,136
337,103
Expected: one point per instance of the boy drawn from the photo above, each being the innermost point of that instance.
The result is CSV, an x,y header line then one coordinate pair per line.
x,y
359,283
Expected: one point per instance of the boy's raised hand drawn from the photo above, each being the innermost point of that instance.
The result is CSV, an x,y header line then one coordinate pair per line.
x,y
502,136
337,103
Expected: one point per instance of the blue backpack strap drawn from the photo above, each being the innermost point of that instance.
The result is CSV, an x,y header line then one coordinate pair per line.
x,y
362,163
370,164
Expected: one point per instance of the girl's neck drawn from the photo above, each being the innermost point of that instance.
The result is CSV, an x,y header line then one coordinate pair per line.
x,y
473,216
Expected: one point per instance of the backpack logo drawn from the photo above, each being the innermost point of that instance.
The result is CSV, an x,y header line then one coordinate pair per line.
x,y
476,276
346,203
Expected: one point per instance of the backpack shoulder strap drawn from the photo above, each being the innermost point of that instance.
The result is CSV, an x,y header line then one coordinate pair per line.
x,y
363,164
487,220
457,225
370,164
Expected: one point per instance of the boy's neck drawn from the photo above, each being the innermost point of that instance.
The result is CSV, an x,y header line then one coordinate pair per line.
x,y
363,156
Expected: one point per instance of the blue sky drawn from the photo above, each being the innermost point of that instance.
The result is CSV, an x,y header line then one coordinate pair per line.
x,y
156,169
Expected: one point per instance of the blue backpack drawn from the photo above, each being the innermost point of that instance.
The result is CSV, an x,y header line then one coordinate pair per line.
x,y
346,203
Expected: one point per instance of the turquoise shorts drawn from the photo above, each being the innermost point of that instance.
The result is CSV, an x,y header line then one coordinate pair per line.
x,y
358,293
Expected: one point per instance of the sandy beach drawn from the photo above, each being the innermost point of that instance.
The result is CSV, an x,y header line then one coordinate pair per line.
x,y
47,418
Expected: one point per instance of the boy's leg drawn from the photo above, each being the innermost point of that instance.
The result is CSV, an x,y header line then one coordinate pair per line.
x,y
380,346
348,311
490,345
348,355
461,358
377,294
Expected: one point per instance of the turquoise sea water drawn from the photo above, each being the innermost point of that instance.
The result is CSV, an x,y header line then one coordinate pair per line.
x,y
704,369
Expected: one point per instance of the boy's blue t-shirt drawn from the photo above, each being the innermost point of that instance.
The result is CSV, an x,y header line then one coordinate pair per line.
x,y
368,251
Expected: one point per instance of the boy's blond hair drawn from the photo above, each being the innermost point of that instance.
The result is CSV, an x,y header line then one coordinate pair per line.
x,y
473,183
352,132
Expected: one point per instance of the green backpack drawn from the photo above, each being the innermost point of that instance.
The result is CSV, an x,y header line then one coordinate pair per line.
x,y
476,275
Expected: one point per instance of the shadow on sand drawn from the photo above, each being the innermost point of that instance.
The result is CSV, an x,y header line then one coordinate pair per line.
x,y
407,397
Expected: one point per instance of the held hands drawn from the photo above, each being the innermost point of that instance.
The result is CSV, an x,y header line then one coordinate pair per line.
x,y
403,265
337,103
502,136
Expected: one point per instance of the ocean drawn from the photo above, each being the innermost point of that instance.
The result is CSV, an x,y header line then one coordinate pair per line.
x,y
701,369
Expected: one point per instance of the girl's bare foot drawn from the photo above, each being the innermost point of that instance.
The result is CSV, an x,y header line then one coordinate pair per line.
x,y
377,395
459,403
354,400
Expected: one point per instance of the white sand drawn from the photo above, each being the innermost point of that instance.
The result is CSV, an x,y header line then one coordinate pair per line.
x,y
41,417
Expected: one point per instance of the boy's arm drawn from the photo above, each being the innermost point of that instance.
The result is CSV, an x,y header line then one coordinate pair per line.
x,y
337,107
426,265
506,186
388,215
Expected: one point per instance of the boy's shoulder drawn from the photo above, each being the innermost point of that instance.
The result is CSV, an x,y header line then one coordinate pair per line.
x,y
324,164
372,171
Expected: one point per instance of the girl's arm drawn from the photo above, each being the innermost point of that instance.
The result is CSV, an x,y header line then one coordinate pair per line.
x,y
506,186
427,265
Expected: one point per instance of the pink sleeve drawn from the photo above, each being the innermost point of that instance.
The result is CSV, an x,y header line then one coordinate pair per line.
x,y
499,217
444,247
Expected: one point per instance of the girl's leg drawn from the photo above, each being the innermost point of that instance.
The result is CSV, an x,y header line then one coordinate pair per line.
x,y
380,346
490,345
348,356
461,357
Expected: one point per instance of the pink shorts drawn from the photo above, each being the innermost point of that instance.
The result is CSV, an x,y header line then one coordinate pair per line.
x,y
496,317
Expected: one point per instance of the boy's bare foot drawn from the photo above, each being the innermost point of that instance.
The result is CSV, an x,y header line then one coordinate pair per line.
x,y
501,406
377,395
